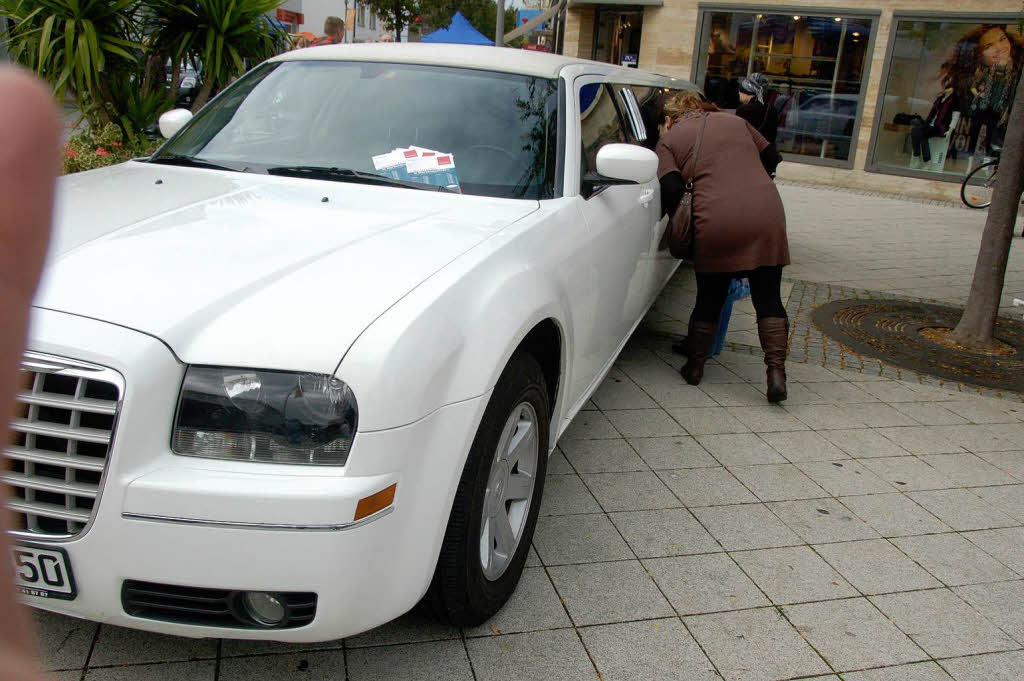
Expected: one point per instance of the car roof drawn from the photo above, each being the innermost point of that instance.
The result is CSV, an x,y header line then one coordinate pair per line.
x,y
487,58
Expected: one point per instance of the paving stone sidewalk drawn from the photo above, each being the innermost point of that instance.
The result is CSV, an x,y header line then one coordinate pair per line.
x,y
871,529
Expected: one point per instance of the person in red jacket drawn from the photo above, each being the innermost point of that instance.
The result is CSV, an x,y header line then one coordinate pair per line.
x,y
334,32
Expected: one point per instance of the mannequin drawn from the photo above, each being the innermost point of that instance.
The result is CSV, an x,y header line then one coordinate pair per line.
x,y
935,125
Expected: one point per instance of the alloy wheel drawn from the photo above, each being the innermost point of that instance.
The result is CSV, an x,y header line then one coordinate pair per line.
x,y
510,485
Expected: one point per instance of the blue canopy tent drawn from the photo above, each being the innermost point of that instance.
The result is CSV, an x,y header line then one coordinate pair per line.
x,y
459,31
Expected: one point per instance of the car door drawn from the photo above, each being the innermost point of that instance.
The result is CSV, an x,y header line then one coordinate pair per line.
x,y
619,231
643,104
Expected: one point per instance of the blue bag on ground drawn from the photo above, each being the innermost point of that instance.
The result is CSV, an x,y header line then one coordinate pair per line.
x,y
738,290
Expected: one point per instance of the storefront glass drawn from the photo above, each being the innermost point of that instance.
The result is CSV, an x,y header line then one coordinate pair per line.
x,y
617,36
947,96
815,64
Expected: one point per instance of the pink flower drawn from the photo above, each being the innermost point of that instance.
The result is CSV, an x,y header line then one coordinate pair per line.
x,y
71,153
100,151
117,144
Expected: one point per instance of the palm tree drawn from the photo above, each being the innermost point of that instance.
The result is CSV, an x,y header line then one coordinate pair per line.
x,y
169,27
223,35
75,45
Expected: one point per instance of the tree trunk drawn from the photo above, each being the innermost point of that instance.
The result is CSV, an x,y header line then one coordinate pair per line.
x,y
204,94
104,99
175,78
398,22
977,326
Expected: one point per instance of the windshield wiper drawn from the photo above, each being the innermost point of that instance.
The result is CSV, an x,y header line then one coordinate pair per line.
x,y
190,161
349,175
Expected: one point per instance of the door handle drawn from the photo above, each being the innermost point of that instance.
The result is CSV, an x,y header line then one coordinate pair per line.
x,y
646,197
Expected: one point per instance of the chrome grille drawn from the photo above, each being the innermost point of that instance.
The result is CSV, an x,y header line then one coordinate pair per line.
x,y
61,434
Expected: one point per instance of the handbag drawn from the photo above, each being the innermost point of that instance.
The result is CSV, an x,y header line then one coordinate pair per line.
x,y
682,226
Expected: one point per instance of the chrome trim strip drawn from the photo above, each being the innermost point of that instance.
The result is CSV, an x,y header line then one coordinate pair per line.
x,y
43,485
52,458
259,526
38,508
100,437
63,402
51,364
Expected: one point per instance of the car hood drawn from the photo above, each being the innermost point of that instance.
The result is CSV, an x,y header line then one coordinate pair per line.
x,y
241,269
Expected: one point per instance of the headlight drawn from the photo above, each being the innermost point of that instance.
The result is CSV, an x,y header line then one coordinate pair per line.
x,y
266,416
188,82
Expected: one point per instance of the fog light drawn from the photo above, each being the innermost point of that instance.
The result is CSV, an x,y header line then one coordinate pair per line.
x,y
264,608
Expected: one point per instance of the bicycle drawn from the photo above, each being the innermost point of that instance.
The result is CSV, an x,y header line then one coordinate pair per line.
x,y
978,194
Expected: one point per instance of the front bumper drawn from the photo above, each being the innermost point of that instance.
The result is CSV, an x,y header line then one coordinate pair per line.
x,y
176,520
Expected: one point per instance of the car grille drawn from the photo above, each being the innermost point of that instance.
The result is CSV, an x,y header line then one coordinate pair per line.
x,y
61,436
209,607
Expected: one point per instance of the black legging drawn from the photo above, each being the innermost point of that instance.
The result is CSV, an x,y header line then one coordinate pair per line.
x,y
713,289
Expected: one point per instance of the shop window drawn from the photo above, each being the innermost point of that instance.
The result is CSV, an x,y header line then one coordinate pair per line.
x,y
361,16
947,95
373,21
617,36
815,66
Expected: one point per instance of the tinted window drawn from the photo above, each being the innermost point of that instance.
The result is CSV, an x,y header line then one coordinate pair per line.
x,y
600,122
500,128
621,95
652,105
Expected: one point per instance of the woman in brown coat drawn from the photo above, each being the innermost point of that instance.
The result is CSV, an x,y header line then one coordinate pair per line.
x,y
740,225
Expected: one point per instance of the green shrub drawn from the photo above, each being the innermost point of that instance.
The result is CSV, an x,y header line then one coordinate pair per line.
x,y
91,149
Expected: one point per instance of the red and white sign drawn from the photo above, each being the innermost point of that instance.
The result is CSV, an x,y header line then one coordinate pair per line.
x,y
290,17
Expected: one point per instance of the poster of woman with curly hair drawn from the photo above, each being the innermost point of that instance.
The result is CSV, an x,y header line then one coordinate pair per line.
x,y
948,95
983,72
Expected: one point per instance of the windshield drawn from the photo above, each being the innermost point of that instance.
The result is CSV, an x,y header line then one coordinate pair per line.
x,y
474,132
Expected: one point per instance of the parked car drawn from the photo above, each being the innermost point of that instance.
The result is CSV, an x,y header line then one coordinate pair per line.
x,y
824,119
278,390
190,83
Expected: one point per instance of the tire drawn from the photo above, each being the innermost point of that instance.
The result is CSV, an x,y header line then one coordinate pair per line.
x,y
461,592
976,190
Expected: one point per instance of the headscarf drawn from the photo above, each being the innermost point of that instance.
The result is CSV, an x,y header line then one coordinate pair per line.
x,y
755,84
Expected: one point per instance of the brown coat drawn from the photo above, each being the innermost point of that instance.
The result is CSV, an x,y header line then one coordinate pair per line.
x,y
740,221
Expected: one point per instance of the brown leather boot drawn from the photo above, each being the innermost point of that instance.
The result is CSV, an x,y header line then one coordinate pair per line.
x,y
774,335
701,337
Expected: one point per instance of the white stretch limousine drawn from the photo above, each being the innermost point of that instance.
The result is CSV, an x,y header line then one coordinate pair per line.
x,y
302,369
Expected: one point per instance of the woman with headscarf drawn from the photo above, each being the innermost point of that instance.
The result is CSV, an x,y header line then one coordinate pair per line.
x,y
754,109
740,225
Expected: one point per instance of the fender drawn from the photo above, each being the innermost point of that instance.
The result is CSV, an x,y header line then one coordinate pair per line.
x,y
449,339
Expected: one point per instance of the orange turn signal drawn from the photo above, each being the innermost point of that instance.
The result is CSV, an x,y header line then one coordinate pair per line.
x,y
367,506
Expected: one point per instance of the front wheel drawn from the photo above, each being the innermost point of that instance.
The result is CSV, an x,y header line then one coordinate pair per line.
x,y
497,500
976,190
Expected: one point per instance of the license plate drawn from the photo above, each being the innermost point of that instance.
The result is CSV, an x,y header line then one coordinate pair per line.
x,y
43,571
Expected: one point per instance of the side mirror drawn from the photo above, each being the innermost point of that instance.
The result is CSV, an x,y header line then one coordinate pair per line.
x,y
621,164
173,120
627,162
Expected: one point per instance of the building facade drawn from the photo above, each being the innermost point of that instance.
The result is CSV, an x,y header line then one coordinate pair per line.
x,y
902,97
361,24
